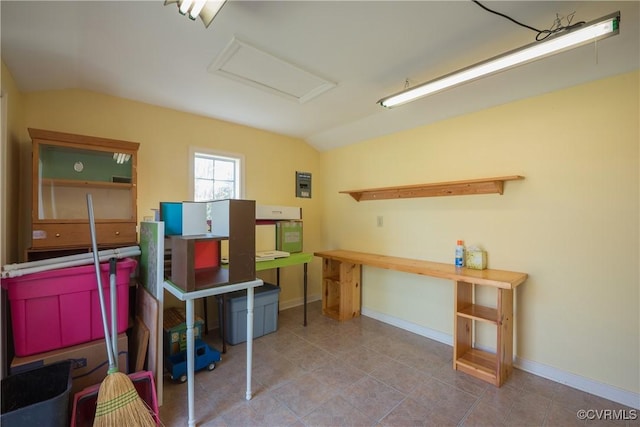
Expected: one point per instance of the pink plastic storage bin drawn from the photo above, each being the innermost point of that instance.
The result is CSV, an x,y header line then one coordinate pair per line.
x,y
60,308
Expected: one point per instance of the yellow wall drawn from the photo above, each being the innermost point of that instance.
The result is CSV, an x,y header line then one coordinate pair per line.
x,y
163,159
572,224
12,101
12,126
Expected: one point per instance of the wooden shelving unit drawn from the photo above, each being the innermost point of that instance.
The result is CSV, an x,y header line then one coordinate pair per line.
x,y
233,218
340,289
493,368
65,167
452,188
341,273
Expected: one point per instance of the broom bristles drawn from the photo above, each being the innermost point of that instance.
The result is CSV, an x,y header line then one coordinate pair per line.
x,y
119,404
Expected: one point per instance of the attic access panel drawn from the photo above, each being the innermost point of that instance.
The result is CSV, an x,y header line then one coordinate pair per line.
x,y
247,64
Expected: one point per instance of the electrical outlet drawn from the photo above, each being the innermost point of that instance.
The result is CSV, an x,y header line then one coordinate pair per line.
x,y
380,220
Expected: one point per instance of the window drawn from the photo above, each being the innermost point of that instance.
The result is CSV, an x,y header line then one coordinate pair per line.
x,y
216,175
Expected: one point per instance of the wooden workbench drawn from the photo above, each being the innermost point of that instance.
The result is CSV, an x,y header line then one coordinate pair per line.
x,y
341,289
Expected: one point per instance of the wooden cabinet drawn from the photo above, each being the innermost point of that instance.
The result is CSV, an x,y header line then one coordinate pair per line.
x,y
65,168
341,289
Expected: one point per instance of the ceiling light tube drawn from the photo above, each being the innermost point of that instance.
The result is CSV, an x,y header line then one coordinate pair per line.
x,y
595,30
184,6
196,8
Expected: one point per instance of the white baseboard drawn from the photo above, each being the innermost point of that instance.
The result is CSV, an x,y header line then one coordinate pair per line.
x,y
299,301
408,326
587,385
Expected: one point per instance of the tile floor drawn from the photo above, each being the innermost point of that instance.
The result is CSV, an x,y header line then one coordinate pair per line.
x,y
366,373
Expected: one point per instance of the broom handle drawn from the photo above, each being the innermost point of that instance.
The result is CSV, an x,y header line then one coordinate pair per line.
x,y
96,263
114,309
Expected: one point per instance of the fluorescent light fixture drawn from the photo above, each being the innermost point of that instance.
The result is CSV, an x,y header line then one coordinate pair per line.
x,y
205,9
595,30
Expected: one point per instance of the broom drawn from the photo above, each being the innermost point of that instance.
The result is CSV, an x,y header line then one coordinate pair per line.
x,y
118,401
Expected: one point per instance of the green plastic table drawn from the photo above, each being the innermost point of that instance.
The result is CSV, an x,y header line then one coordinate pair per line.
x,y
293,259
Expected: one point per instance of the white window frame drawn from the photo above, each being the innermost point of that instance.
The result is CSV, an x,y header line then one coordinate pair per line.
x,y
237,157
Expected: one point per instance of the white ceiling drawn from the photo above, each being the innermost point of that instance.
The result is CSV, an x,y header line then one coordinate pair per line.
x,y
145,51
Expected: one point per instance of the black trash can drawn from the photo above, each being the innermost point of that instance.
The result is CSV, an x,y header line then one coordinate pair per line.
x,y
39,397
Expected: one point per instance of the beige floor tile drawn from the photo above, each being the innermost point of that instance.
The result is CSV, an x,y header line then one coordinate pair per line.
x,y
455,405
431,390
338,412
408,413
460,380
260,411
304,394
339,375
529,410
403,378
561,416
363,372
366,359
530,383
373,397
484,414
502,398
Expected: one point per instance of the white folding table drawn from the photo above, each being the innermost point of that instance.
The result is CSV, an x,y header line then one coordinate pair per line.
x,y
188,298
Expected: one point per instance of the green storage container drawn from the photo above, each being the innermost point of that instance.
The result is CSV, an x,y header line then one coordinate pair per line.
x,y
289,236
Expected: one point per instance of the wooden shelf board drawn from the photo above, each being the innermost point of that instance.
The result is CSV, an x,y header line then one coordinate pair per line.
x,y
85,221
451,188
481,313
489,277
480,364
54,182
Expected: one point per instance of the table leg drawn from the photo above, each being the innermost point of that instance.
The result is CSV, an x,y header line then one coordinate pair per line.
x,y
206,315
250,292
222,322
190,361
305,294
278,285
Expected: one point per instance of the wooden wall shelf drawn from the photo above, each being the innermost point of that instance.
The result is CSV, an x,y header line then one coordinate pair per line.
x,y
452,188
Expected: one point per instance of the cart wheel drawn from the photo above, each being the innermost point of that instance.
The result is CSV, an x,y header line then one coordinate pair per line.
x,y
211,366
183,378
